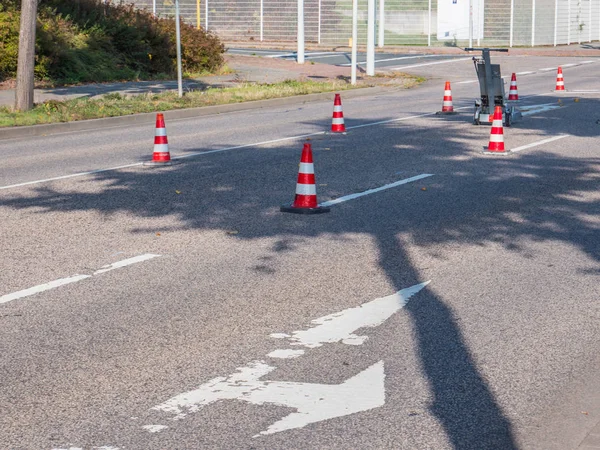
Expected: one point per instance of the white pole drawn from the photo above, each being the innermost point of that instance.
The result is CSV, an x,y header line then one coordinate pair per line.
x,y
470,23
354,40
381,24
261,20
590,22
533,23
178,38
206,14
479,23
579,22
154,8
300,54
555,21
319,25
512,21
371,38
429,26
569,22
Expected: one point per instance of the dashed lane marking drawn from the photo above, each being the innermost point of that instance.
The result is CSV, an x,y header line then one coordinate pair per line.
x,y
73,279
375,190
542,142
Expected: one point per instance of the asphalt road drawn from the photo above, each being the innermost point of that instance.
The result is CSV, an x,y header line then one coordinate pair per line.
x,y
176,308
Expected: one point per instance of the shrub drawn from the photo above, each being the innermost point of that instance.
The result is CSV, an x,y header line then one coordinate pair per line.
x,y
88,40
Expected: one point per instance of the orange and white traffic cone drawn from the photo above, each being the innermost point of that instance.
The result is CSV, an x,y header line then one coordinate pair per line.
x,y
447,103
337,122
496,144
161,155
513,93
305,201
560,81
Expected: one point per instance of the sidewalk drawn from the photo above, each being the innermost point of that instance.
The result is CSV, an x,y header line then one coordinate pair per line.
x,y
246,69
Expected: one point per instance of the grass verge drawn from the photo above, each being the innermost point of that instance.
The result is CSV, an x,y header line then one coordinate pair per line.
x,y
114,105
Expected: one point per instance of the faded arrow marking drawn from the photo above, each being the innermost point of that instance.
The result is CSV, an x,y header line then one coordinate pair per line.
x,y
313,402
341,326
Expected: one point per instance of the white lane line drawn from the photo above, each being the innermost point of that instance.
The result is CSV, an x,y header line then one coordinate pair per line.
x,y
73,175
569,65
547,69
536,109
542,142
42,287
524,73
125,262
345,198
428,64
73,279
466,82
592,91
587,62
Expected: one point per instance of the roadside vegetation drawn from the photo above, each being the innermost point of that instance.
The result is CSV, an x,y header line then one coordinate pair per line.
x,y
95,41
112,105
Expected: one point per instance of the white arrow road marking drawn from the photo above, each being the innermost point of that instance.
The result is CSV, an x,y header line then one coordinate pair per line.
x,y
313,402
342,325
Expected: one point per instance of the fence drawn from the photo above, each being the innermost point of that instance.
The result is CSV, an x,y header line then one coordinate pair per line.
x,y
417,22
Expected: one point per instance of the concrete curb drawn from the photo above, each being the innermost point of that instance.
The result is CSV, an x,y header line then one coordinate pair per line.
x,y
144,118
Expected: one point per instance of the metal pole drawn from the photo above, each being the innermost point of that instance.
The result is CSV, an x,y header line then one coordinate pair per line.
x,y
569,22
478,23
590,22
261,19
533,23
319,25
381,26
300,54
206,14
197,14
154,8
429,26
579,21
354,40
555,21
512,21
371,38
178,36
470,23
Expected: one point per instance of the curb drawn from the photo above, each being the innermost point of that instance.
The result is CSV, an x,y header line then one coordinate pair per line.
x,y
144,118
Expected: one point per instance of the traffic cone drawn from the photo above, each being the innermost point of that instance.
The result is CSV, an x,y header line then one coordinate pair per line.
x,y
560,82
161,155
496,144
305,201
337,122
513,93
447,103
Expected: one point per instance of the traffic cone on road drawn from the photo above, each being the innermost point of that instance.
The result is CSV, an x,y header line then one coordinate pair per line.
x,y
305,201
161,155
560,82
447,102
496,144
513,93
337,122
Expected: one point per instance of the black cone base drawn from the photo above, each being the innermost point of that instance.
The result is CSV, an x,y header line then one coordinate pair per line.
x,y
291,209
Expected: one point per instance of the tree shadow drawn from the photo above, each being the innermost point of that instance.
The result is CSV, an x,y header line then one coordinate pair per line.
x,y
538,195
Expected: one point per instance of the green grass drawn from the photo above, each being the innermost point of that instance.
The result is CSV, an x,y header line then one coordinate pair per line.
x,y
113,105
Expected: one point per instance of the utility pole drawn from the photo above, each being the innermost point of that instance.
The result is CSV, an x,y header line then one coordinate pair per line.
x,y
26,59
300,53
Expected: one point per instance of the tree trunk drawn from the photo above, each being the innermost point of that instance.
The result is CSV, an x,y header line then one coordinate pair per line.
x,y
26,61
